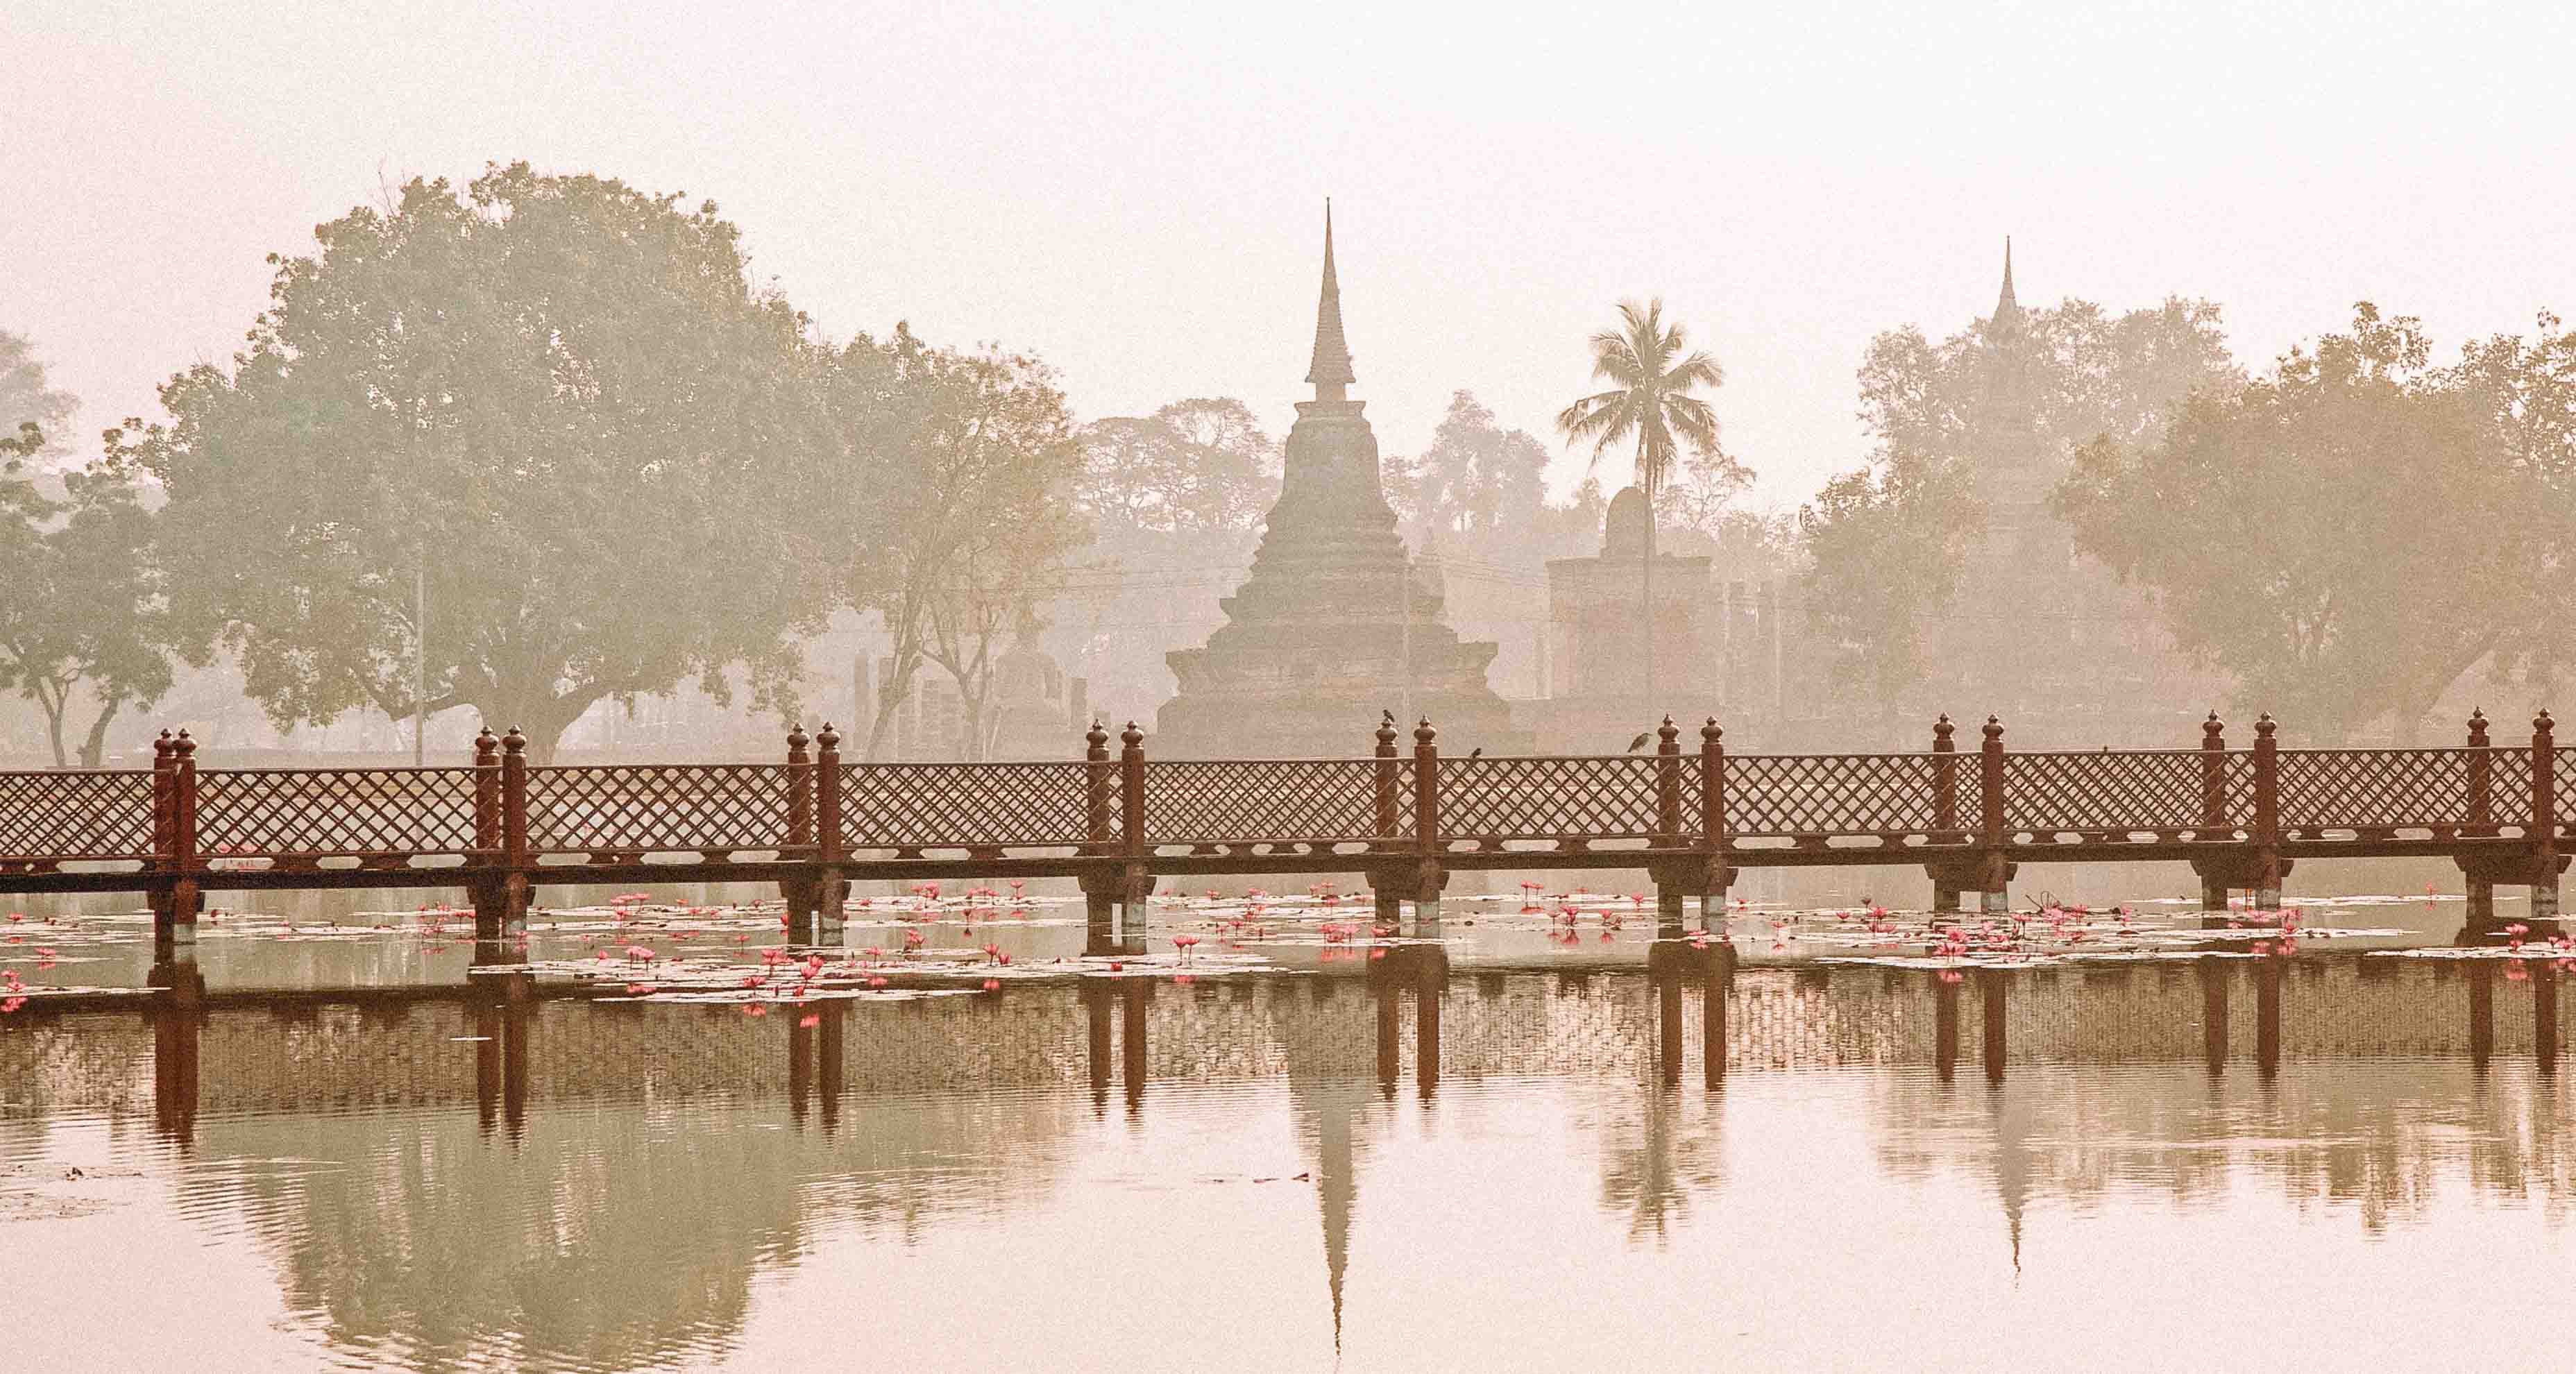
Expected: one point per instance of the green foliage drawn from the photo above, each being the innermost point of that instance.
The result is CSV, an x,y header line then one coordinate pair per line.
x,y
558,399
1200,465
1884,545
1651,380
28,407
1476,478
1888,541
971,464
85,621
2355,530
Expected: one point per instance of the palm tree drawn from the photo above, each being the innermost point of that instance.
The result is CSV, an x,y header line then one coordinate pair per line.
x,y
1651,379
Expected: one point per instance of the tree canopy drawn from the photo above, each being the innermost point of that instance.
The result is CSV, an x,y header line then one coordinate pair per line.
x,y
557,401
2357,528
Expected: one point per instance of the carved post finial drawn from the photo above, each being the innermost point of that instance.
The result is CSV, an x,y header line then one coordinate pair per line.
x,y
2264,726
2212,731
1386,735
2541,724
1132,737
1095,741
797,739
514,742
1942,730
1994,728
829,739
2477,728
1423,734
183,746
1668,737
1710,733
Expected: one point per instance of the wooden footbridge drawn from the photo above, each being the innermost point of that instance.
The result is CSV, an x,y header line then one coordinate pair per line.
x,y
811,822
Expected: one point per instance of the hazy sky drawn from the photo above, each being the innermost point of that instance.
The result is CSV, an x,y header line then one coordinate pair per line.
x,y
1135,192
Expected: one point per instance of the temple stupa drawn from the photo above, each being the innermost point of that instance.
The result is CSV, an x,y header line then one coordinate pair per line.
x,y
1333,625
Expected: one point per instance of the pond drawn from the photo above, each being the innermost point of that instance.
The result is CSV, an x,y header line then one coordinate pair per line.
x,y
2112,1138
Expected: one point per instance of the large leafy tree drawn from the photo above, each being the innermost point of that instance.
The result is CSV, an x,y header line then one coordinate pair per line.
x,y
1888,540
32,413
2333,533
1653,374
1477,478
1175,502
85,625
972,466
552,411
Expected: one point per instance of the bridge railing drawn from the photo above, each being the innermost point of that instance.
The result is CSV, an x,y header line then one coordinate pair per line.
x,y
502,814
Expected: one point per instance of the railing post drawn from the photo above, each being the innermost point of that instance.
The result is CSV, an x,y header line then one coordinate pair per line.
x,y
1385,887
2544,818
1668,785
2480,811
1994,899
174,897
1669,879
798,889
1388,814
1101,887
800,789
1429,877
2267,815
1136,885
1720,874
1945,779
508,919
2213,812
830,895
487,797
488,887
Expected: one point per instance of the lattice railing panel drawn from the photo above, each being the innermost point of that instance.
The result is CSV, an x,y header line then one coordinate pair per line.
x,y
1240,801
2375,789
2103,793
2564,762
87,815
1609,797
643,808
2509,787
968,805
1818,795
334,811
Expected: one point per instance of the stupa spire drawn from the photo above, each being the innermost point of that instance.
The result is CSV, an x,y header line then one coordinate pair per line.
x,y
1331,369
2007,308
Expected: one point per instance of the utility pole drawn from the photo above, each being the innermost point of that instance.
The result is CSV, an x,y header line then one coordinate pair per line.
x,y
419,656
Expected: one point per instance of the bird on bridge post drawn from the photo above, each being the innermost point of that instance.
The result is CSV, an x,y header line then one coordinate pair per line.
x,y
1644,737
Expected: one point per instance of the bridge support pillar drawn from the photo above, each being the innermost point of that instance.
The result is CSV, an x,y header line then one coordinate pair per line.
x,y
2239,870
1677,880
175,909
500,908
817,908
1955,876
2483,872
1108,926
1420,881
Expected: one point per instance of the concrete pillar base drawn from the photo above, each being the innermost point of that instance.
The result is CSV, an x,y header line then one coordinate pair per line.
x,y
1995,903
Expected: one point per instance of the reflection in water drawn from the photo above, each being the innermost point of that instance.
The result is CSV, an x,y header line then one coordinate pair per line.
x,y
629,1172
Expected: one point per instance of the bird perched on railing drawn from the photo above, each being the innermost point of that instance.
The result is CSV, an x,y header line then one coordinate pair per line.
x,y
1643,736
1476,753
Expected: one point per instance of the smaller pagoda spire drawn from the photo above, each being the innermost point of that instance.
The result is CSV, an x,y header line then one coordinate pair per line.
x,y
1330,370
2007,308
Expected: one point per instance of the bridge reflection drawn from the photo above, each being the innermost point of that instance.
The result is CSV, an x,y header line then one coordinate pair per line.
x,y
2402,1065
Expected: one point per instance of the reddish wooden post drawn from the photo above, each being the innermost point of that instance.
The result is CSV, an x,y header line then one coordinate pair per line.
x,y
2480,812
800,789
1990,774
1669,883
1137,885
510,913
830,895
798,889
2544,818
487,797
1945,779
2267,815
1720,874
1668,785
1428,876
1100,892
174,918
1386,887
165,804
1388,815
2213,811
1098,783
2213,775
